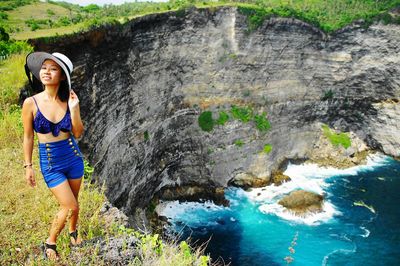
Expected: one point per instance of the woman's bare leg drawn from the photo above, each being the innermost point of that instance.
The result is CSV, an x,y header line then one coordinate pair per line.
x,y
75,185
68,207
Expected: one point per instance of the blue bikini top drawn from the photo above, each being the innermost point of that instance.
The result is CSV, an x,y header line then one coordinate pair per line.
x,y
42,125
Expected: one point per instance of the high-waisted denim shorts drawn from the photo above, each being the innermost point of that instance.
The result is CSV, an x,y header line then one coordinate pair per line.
x,y
60,160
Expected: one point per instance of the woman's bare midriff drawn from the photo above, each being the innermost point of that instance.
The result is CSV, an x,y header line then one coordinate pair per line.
x,y
45,138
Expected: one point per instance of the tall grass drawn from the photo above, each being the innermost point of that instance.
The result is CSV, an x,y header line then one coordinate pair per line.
x,y
12,78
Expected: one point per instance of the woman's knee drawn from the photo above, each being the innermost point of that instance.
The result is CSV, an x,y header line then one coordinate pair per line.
x,y
71,207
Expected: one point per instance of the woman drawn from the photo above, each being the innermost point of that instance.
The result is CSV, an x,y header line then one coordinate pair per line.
x,y
54,115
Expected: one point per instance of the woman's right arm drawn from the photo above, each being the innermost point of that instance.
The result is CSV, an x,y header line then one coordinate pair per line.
x,y
27,121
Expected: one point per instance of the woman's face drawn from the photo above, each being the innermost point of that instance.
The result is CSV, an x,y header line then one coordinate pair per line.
x,y
51,73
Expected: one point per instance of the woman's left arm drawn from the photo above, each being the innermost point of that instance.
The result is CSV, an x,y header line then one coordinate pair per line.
x,y
77,125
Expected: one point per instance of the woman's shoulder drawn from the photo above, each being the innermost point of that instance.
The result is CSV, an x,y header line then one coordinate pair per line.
x,y
29,102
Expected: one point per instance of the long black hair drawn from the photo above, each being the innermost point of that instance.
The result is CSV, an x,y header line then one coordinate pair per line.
x,y
63,90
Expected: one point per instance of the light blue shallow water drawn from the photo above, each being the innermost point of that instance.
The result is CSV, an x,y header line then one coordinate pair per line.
x,y
361,228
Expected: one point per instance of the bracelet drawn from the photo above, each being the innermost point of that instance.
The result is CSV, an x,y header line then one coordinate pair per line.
x,y
26,165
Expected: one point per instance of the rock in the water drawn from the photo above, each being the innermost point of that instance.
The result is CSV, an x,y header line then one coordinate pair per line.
x,y
278,178
248,180
194,193
302,202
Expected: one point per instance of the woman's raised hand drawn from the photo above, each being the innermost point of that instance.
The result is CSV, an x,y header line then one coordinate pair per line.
x,y
73,101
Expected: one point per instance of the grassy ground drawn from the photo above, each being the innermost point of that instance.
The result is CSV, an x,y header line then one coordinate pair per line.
x,y
26,213
28,34
18,16
39,11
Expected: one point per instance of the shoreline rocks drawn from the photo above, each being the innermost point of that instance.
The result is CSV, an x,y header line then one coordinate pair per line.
x,y
302,202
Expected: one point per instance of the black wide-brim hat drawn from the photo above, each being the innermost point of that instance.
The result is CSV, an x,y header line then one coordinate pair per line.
x,y
35,60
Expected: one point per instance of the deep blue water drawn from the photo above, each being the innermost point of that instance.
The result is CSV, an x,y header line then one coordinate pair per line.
x,y
361,228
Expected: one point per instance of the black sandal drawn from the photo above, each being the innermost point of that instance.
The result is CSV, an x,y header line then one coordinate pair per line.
x,y
74,235
47,246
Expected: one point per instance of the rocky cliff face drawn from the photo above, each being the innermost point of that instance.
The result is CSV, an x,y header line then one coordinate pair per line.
x,y
143,85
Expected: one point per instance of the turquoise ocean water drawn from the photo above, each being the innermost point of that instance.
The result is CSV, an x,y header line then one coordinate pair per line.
x,y
360,224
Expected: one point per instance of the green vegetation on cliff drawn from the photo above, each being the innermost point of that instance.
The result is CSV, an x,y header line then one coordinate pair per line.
x,y
206,121
267,148
25,19
239,142
222,119
262,122
327,15
337,138
244,114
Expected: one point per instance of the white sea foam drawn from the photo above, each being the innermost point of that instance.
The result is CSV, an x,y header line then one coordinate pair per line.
x,y
184,211
309,177
311,219
366,232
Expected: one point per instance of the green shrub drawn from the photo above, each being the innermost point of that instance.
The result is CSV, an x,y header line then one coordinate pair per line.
x,y
255,16
337,138
4,35
92,8
146,135
38,22
3,16
97,22
267,148
34,26
13,47
327,95
222,119
50,12
244,114
63,21
239,142
88,170
262,122
206,121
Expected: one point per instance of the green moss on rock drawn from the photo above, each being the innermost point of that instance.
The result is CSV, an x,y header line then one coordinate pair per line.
x,y
206,121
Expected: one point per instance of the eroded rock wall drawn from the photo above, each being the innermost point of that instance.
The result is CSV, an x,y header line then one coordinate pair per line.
x,y
143,85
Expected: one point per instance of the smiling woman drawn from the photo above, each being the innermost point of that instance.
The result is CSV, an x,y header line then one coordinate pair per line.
x,y
54,115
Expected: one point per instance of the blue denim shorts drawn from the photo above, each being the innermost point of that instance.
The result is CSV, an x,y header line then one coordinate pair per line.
x,y
60,160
